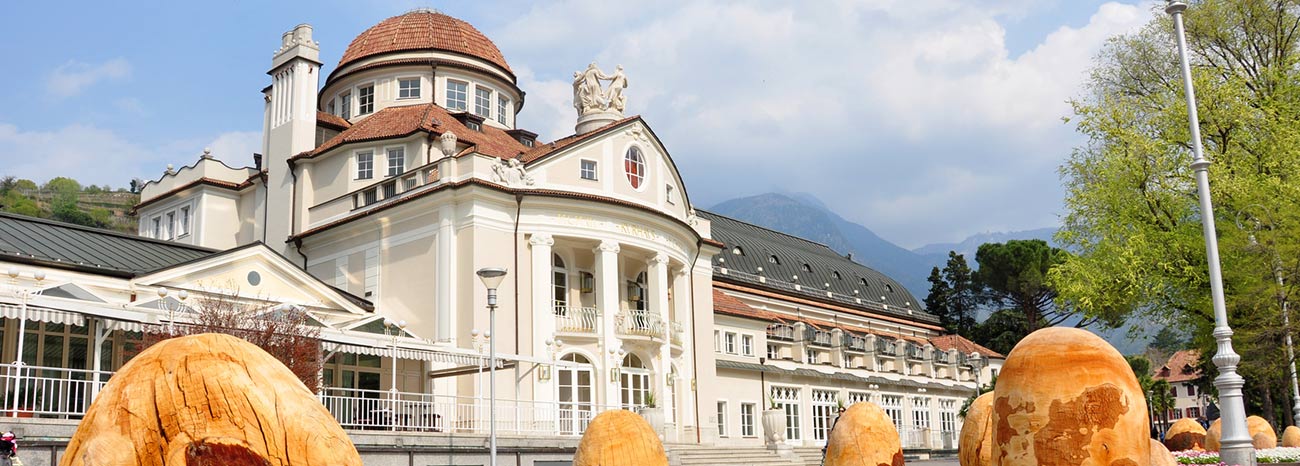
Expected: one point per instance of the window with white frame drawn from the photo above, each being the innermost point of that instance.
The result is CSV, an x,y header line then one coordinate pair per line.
x,y
773,352
921,413
823,413
729,342
502,104
747,345
345,105
747,415
588,169
893,406
859,397
634,382
948,415
810,356
366,99
184,226
365,165
408,88
717,341
722,418
456,95
329,107
168,225
157,228
482,101
786,399
396,161
634,165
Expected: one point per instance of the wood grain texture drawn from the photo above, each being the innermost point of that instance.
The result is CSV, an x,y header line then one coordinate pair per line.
x,y
620,438
975,447
1065,397
1291,436
864,436
207,399
1160,456
1185,434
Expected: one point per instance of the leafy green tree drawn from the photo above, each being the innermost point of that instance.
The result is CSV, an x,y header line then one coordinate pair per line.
x,y
62,185
954,296
1002,330
1132,213
14,202
25,184
1014,276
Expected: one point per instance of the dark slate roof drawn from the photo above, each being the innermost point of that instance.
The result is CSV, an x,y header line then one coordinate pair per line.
x,y
849,281
46,242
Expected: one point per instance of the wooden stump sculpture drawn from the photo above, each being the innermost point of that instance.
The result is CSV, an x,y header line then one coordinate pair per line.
x,y
1213,434
1160,456
1262,434
1291,436
1185,434
976,445
864,436
206,400
1065,397
620,438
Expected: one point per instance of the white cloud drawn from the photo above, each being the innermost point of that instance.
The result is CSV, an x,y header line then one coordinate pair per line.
x,y
910,117
71,78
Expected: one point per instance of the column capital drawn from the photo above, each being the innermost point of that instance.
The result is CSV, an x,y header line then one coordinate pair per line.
x,y
607,246
659,259
541,239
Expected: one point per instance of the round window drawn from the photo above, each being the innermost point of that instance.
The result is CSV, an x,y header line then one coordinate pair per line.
x,y
254,278
634,165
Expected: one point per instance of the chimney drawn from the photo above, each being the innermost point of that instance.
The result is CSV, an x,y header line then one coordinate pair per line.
x,y
257,161
289,127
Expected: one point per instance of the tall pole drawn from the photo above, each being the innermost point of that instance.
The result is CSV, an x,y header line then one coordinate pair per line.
x,y
1236,442
1286,337
492,377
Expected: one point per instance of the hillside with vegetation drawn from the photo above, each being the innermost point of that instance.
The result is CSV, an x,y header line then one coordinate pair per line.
x,y
66,200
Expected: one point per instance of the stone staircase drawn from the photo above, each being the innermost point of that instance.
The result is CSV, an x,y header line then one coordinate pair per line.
x,y
700,455
811,456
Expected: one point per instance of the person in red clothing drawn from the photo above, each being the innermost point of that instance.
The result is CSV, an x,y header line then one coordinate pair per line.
x,y
8,448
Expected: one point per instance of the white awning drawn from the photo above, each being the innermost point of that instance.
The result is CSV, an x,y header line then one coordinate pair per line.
x,y
406,353
42,314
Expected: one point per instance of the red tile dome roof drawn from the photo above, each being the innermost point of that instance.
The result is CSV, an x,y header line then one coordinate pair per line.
x,y
423,30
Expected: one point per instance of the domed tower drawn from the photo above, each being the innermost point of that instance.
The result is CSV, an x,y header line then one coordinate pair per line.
x,y
421,57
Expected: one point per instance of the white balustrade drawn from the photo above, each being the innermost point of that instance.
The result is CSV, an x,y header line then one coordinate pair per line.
x,y
577,319
642,323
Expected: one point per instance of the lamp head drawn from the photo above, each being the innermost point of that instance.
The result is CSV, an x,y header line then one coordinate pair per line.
x,y
39,275
1175,6
492,276
162,292
183,295
13,273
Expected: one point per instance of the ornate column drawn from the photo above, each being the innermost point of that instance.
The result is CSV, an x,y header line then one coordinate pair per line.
x,y
685,398
657,294
543,317
607,303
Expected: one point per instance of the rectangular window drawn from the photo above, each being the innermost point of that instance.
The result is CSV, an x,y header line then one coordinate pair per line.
x,y
668,194
482,102
948,415
170,225
408,88
1191,390
772,352
824,406
396,161
588,170
1194,412
329,107
810,356
390,189
366,100
747,345
729,342
456,95
893,406
370,196
345,106
502,104
747,414
717,341
185,221
722,419
921,413
787,400
157,227
365,165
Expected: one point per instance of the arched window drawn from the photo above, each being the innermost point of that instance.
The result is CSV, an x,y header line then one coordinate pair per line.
x,y
634,165
576,396
634,379
559,285
636,293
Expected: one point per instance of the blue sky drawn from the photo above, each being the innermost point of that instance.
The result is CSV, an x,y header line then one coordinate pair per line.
x,y
925,120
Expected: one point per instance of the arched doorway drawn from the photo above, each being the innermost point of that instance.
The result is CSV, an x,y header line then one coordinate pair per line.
x,y
575,394
634,382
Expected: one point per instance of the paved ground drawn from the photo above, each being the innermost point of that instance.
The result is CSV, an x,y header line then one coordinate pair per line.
x,y
941,462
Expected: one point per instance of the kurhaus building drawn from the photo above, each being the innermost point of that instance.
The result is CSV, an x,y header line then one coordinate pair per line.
x,y
384,185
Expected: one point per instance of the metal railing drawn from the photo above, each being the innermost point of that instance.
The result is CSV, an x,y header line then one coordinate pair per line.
x,y
780,332
886,347
855,342
942,357
576,319
915,351
48,392
818,337
404,411
642,323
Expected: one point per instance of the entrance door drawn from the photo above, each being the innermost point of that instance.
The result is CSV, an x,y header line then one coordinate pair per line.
x,y
575,397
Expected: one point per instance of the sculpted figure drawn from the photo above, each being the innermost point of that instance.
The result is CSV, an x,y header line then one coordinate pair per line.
x,y
614,96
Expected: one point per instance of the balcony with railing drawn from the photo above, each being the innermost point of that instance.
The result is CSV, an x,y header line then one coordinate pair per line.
x,y
818,337
915,352
780,332
577,320
886,347
942,357
855,342
375,193
639,323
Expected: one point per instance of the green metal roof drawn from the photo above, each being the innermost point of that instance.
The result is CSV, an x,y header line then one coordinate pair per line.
x,y
46,242
820,270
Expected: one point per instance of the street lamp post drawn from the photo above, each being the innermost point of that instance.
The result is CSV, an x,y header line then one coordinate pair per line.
x,y
492,277
392,390
1236,443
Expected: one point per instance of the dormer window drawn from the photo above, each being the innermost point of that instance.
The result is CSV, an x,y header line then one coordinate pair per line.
x,y
773,259
456,95
502,104
738,251
807,268
345,105
470,120
482,102
408,88
524,136
366,100
836,275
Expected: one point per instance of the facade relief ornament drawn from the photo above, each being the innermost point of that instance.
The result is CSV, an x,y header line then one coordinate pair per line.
x,y
608,246
598,105
541,239
511,173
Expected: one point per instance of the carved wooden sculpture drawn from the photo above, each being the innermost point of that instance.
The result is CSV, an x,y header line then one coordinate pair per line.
x,y
976,445
620,438
1261,434
864,436
1160,456
1212,435
207,400
1291,436
1185,434
1065,397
